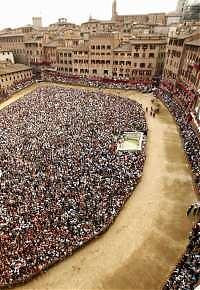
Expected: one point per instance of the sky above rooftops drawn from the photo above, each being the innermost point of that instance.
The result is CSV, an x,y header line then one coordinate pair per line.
x,y
19,13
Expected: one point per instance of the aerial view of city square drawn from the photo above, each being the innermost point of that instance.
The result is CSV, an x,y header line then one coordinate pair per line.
x,y
100,145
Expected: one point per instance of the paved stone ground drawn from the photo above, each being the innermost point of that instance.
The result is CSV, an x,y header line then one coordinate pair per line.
x,y
143,245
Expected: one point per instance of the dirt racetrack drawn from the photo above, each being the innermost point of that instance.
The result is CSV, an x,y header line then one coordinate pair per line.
x,y
143,245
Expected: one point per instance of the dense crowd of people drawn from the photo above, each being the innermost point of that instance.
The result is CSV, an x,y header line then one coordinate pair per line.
x,y
187,273
140,84
17,86
63,181
185,97
58,164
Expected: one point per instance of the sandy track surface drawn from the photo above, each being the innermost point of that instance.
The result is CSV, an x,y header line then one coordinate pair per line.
x,y
143,245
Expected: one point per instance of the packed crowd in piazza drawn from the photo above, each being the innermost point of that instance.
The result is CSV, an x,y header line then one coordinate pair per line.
x,y
186,274
62,180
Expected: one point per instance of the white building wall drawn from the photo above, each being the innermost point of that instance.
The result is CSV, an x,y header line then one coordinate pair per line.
x,y
7,56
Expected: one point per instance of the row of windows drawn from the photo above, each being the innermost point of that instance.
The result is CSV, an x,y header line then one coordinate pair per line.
x,y
81,61
65,54
33,52
176,42
81,52
10,77
65,69
194,49
190,77
174,53
121,63
18,51
144,46
143,55
93,26
11,39
169,74
106,72
98,53
142,73
134,72
173,62
123,54
141,65
98,61
49,55
33,44
116,62
121,70
193,57
135,55
5,53
65,61
81,70
101,47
